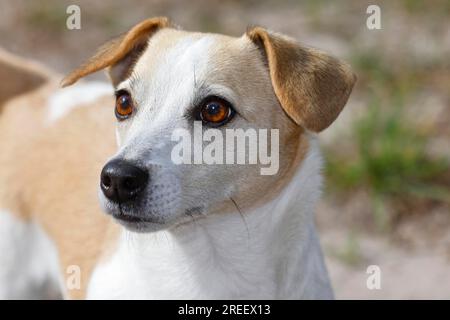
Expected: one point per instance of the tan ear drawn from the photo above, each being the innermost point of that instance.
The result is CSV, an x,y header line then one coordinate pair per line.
x,y
311,86
120,53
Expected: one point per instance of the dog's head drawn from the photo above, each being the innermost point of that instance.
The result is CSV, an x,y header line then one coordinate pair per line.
x,y
180,97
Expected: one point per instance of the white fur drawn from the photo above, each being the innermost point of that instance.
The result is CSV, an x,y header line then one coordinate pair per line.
x,y
64,100
215,257
28,260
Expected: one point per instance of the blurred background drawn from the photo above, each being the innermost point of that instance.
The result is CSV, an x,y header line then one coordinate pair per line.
x,y
387,186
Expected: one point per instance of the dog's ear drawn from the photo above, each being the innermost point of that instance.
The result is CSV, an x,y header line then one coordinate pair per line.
x,y
311,86
119,54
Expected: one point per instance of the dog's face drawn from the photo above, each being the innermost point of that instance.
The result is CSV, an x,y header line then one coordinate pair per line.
x,y
170,81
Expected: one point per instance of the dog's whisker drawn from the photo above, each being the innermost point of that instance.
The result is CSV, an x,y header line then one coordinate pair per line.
x,y
193,219
195,79
243,218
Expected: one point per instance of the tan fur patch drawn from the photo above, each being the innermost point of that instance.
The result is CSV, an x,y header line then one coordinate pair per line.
x,y
52,175
247,76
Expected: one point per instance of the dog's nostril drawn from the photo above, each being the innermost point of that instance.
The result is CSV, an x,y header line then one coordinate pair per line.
x,y
106,181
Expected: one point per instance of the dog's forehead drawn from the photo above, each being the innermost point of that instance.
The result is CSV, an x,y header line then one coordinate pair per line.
x,y
182,54
180,67
175,43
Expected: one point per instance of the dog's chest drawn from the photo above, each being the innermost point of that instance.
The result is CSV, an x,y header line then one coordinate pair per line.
x,y
160,269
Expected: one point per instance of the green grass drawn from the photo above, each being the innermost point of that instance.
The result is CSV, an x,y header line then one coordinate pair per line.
x,y
391,155
390,158
419,6
390,162
47,15
350,252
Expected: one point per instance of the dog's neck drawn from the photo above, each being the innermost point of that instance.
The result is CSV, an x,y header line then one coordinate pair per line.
x,y
269,252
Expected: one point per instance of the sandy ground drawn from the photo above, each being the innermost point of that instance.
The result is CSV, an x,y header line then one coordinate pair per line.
x,y
405,273
414,259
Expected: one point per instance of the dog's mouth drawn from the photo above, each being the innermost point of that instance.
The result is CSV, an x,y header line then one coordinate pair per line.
x,y
130,218
137,224
133,222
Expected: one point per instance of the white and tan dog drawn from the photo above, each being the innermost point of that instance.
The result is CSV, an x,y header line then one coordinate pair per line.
x,y
171,231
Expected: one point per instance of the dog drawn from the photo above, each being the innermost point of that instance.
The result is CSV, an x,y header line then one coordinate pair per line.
x,y
84,218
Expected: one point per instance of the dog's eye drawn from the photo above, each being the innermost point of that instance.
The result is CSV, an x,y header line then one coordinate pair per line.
x,y
124,105
216,112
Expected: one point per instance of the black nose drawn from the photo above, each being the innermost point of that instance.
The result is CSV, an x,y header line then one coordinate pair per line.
x,y
122,181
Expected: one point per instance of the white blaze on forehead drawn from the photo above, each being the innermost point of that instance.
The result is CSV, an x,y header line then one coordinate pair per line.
x,y
188,61
64,100
172,74
184,55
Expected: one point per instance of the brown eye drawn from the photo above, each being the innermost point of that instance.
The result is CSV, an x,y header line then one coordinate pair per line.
x,y
216,112
124,105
